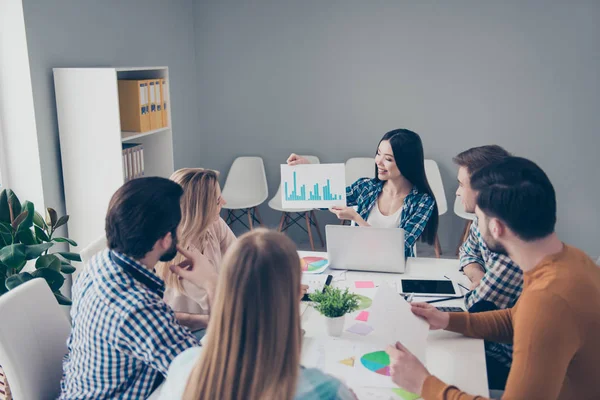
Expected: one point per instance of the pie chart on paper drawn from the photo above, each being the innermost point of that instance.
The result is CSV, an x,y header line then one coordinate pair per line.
x,y
314,265
378,362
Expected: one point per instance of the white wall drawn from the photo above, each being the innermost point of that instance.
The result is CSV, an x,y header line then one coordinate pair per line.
x,y
21,159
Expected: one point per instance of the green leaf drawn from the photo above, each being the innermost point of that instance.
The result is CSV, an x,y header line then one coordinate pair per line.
x,y
28,222
51,217
6,237
70,256
38,220
16,224
14,204
4,212
26,237
48,261
334,302
67,269
17,280
41,234
62,300
54,278
14,256
64,240
37,250
62,220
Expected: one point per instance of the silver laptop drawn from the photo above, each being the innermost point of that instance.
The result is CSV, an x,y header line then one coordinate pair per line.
x,y
366,249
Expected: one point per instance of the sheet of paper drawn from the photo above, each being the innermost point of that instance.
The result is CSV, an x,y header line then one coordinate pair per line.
x,y
315,283
364,284
363,316
361,329
393,320
313,186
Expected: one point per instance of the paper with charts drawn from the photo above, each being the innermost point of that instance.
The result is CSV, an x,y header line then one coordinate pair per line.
x,y
361,361
313,186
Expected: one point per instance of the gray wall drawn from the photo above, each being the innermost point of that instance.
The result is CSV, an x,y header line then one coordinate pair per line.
x,y
72,33
330,77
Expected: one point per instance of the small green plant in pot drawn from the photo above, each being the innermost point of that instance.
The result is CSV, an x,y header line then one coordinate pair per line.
x,y
334,304
24,236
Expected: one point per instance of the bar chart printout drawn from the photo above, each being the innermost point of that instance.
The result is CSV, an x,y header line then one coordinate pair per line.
x,y
313,186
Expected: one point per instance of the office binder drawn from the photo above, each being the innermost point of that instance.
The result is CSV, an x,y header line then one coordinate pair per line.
x,y
133,106
159,105
133,161
164,93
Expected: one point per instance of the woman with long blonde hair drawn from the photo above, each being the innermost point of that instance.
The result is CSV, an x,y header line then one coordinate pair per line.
x,y
202,229
252,348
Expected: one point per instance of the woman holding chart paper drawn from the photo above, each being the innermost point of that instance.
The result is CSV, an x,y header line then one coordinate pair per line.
x,y
252,348
398,197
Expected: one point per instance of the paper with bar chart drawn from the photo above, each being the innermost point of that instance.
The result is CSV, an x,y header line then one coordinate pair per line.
x,y
313,186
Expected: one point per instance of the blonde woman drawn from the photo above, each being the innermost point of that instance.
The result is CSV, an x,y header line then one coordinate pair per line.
x,y
252,348
202,229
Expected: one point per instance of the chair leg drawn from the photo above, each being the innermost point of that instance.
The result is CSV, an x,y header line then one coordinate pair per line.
x,y
281,221
258,217
437,247
249,212
314,218
309,229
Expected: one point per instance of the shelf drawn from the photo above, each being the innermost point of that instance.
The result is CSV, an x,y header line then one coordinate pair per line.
x,y
128,69
128,136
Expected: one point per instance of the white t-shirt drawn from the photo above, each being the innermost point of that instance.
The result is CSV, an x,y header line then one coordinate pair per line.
x,y
377,220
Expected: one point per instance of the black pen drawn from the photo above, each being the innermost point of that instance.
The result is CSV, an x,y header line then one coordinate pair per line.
x,y
444,299
462,286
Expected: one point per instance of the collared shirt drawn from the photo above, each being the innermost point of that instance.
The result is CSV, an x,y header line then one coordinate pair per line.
x,y
416,209
124,336
501,284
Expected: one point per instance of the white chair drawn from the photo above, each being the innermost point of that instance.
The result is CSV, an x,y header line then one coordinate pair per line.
x,y
293,217
459,210
598,261
33,335
245,189
359,167
432,171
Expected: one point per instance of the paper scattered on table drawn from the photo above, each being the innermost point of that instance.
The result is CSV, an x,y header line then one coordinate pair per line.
x,y
361,329
338,275
315,283
363,316
394,321
364,284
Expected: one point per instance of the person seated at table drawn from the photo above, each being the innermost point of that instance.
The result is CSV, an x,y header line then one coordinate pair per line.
x,y
201,228
554,325
398,197
252,347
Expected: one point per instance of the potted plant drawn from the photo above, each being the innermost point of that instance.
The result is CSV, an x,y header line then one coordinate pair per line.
x,y
26,237
334,304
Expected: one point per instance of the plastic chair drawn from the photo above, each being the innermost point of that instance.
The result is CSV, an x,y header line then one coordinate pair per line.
x,y
245,189
459,210
33,335
432,171
598,261
359,167
88,252
293,217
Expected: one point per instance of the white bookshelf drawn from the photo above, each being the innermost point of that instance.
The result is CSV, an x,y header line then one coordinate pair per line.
x,y
87,102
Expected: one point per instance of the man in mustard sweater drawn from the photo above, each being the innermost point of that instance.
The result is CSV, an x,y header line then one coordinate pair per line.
x,y
555,324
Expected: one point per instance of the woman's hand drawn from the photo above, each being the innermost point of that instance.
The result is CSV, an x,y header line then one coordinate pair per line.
x,y
295,159
345,213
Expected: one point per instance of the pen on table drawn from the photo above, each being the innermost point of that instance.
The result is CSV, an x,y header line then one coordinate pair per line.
x,y
462,286
444,299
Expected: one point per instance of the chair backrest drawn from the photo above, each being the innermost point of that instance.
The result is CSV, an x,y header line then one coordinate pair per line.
x,y
33,334
359,167
459,210
87,253
276,200
432,171
598,261
246,182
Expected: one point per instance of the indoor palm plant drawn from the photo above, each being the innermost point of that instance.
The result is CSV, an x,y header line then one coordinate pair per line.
x,y
334,304
25,236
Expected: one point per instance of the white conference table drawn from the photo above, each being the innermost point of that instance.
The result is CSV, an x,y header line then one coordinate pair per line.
x,y
453,358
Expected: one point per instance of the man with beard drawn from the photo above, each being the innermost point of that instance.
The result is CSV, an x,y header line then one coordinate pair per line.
x,y
124,336
555,323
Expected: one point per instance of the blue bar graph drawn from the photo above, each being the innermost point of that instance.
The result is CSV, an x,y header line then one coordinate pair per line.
x,y
314,194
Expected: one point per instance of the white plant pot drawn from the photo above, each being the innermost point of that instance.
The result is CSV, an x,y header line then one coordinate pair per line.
x,y
335,326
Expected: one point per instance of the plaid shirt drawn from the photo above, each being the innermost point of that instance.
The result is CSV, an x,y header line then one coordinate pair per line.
x,y
416,210
313,384
124,336
501,284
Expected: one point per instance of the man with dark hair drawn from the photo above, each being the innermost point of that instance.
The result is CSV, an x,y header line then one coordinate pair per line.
x,y
124,336
497,281
554,325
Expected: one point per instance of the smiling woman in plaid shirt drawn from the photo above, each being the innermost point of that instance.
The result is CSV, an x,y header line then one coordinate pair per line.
x,y
398,197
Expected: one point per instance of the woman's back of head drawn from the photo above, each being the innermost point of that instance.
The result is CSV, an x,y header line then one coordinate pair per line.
x,y
253,339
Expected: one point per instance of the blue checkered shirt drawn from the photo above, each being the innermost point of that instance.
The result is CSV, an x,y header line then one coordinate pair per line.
x,y
501,284
416,210
124,336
